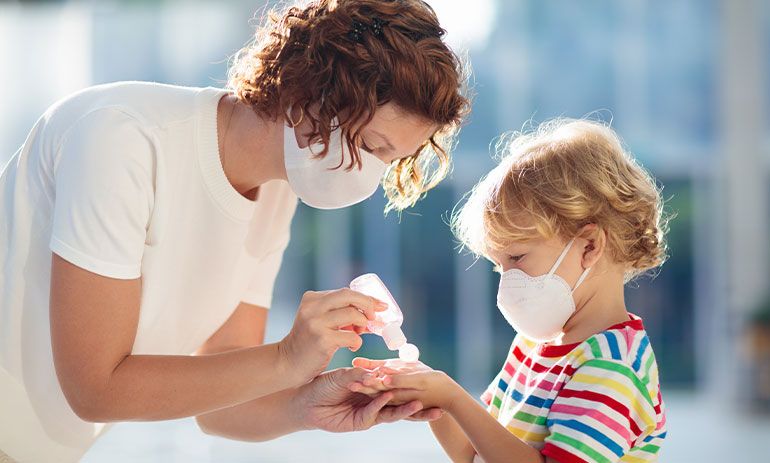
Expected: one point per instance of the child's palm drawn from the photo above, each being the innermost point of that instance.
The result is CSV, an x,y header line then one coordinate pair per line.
x,y
378,369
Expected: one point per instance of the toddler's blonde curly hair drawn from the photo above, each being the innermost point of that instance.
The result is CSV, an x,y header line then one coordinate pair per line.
x,y
559,177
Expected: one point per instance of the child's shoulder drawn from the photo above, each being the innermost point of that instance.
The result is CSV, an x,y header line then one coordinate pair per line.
x,y
624,345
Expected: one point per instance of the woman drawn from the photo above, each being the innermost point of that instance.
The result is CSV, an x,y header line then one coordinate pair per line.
x,y
141,223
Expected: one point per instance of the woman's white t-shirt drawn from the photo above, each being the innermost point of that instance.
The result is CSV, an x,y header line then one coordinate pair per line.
x,y
124,180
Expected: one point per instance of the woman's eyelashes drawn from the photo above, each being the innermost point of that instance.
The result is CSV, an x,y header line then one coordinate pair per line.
x,y
366,147
379,152
515,259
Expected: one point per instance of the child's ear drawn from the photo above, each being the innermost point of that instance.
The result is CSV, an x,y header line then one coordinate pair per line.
x,y
594,240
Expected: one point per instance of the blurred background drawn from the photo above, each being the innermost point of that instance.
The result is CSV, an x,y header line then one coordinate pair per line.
x,y
684,83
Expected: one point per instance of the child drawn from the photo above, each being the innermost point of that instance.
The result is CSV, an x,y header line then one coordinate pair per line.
x,y
568,217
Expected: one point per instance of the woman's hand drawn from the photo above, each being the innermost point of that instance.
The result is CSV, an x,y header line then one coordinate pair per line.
x,y
323,325
327,403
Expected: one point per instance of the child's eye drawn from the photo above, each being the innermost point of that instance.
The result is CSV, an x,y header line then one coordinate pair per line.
x,y
516,259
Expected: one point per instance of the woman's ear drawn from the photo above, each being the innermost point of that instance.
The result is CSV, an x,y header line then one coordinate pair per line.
x,y
594,240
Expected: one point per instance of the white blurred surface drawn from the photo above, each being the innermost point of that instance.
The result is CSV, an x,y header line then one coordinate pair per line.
x,y
698,431
181,441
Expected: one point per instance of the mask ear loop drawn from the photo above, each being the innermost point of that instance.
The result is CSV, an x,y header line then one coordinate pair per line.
x,y
561,257
558,261
580,280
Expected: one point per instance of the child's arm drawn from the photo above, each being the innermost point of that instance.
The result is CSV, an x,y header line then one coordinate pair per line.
x,y
490,440
452,439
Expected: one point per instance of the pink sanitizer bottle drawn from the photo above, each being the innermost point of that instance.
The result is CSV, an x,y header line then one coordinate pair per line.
x,y
388,322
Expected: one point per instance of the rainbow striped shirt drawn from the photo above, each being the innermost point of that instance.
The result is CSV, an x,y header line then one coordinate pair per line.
x,y
594,401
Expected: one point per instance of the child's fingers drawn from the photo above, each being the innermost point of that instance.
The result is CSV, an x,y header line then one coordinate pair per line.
x,y
374,381
405,381
367,363
386,370
368,384
402,396
361,389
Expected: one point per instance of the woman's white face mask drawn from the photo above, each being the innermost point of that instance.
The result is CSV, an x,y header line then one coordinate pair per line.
x,y
316,181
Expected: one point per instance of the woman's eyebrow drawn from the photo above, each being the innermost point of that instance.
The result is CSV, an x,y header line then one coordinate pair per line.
x,y
385,139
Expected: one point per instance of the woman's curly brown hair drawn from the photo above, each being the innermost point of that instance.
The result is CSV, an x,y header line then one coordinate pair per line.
x,y
304,56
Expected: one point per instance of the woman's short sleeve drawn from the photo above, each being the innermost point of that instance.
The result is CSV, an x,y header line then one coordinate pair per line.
x,y
104,194
260,291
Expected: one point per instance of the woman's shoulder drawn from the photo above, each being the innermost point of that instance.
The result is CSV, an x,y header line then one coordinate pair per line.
x,y
276,205
148,102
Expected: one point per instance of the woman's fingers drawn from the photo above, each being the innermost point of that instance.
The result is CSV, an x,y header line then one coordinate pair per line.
x,y
372,409
391,414
310,296
356,329
428,414
347,297
344,317
326,321
348,339
347,376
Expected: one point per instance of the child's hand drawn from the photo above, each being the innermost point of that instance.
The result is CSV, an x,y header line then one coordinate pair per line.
x,y
431,387
413,379
372,384
390,366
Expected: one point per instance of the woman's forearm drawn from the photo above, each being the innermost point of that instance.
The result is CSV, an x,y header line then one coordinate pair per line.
x,y
452,439
163,387
258,420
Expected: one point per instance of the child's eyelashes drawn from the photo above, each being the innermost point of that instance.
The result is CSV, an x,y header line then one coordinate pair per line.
x,y
506,261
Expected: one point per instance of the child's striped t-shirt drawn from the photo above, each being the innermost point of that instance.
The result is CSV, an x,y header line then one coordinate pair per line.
x,y
594,401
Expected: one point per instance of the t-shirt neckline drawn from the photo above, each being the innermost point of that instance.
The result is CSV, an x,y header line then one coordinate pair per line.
x,y
545,350
223,192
